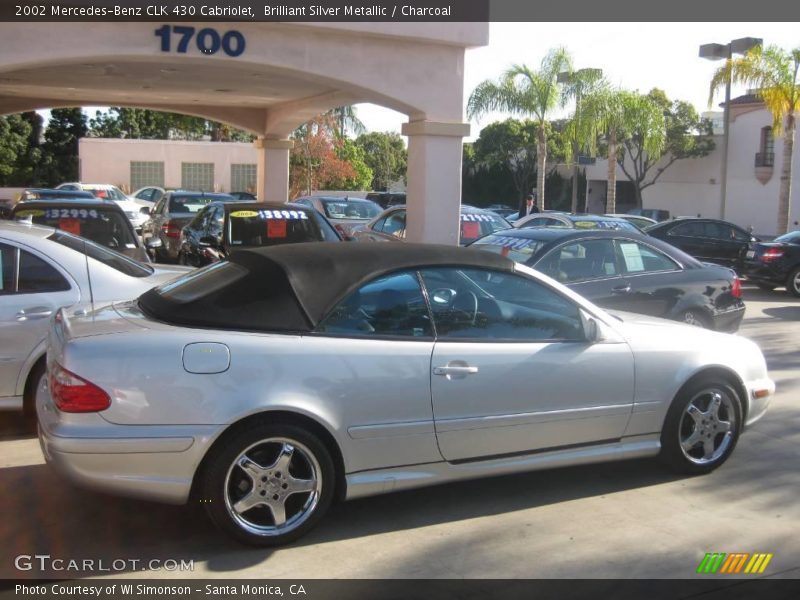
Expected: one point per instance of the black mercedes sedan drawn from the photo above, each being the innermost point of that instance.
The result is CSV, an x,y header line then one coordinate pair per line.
x,y
221,227
708,240
621,270
776,263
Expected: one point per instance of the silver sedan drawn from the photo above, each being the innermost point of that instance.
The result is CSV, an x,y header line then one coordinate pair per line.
x,y
287,377
42,270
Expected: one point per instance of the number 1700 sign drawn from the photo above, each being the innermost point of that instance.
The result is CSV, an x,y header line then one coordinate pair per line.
x,y
207,40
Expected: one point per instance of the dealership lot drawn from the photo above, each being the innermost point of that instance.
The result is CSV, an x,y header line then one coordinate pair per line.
x,y
616,520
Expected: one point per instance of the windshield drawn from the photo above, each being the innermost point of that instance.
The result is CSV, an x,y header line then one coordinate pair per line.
x,y
112,259
188,204
106,226
475,225
273,227
518,249
793,237
351,209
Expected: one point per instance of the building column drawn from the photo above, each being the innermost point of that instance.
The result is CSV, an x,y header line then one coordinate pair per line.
x,y
272,169
434,181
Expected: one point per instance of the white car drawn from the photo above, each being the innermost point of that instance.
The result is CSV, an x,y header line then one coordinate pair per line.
x,y
44,269
132,207
285,377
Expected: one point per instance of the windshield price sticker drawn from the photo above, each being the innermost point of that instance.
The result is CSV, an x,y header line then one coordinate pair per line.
x,y
286,215
486,218
513,243
74,213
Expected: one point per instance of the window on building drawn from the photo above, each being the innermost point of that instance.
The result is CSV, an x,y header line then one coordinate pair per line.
x,y
766,155
197,177
145,173
243,178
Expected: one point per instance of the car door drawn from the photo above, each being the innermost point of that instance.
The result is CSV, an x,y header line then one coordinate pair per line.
x,y
691,237
33,289
512,371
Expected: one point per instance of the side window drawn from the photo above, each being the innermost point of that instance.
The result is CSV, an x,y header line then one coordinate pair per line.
x,y
490,305
392,305
160,206
216,218
638,258
688,229
303,202
35,275
146,194
198,223
379,224
396,224
717,231
739,235
7,254
579,261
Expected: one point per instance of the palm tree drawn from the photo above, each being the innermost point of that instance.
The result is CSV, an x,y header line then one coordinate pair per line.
x,y
617,115
527,93
344,118
773,73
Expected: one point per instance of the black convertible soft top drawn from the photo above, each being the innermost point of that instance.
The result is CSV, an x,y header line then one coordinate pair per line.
x,y
292,287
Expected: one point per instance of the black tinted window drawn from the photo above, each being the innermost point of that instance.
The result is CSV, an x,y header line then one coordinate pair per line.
x,y
7,255
35,275
106,226
638,258
248,227
579,261
389,306
489,305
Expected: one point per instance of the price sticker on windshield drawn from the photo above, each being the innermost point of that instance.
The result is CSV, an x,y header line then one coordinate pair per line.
x,y
470,229
276,228
72,226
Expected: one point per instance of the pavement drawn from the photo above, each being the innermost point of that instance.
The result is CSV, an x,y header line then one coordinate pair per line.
x,y
618,520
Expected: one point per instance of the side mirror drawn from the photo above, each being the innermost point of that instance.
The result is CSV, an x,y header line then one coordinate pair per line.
x,y
152,243
591,329
145,211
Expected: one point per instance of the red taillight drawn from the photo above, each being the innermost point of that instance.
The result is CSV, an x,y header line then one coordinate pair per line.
x,y
171,229
771,254
73,394
736,288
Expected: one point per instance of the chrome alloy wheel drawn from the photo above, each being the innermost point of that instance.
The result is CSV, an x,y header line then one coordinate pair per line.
x,y
691,318
707,426
273,486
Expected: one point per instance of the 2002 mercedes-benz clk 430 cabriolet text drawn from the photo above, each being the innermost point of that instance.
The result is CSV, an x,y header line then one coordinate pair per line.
x,y
270,384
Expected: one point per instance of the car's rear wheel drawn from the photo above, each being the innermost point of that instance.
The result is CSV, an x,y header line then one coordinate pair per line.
x,y
702,426
694,316
793,282
269,484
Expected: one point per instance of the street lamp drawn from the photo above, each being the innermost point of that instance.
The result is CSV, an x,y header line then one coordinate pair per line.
x,y
581,79
726,52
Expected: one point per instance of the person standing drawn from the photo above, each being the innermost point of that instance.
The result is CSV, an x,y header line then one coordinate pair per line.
x,y
529,207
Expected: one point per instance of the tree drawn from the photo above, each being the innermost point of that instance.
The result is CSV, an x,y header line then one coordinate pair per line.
x,y
14,136
344,118
527,93
773,73
65,128
386,155
510,145
143,123
685,134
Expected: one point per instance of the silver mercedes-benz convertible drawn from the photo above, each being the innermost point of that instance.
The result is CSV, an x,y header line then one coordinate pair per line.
x,y
271,384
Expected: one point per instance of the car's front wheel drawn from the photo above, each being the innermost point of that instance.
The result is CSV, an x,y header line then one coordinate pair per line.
x,y
702,426
269,484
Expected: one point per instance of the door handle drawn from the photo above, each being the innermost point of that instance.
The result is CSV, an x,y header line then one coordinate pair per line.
x,y
34,312
622,289
455,370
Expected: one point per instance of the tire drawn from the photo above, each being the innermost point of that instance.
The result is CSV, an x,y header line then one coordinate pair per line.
x,y
696,317
767,287
695,442
793,282
31,385
271,452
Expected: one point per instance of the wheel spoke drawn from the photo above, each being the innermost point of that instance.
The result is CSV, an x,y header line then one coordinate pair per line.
x,y
723,426
695,413
252,468
691,441
281,464
278,511
708,448
713,406
249,501
300,486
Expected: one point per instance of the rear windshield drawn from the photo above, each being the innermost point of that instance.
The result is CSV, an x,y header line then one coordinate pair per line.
x,y
107,227
351,209
617,224
475,225
112,259
518,249
188,204
110,193
251,228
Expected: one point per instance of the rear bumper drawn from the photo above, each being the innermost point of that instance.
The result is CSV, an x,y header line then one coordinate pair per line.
x,y
155,463
772,274
728,321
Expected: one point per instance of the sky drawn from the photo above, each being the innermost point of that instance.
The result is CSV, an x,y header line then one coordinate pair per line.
x,y
636,56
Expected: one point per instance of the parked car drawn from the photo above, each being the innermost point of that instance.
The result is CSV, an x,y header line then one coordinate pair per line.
x,y
101,221
345,214
244,196
150,194
621,270
638,220
503,211
44,269
161,233
48,194
568,220
709,240
222,227
387,199
657,214
104,191
390,225
776,263
217,393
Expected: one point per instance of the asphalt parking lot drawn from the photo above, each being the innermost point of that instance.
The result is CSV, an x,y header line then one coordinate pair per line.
x,y
630,519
